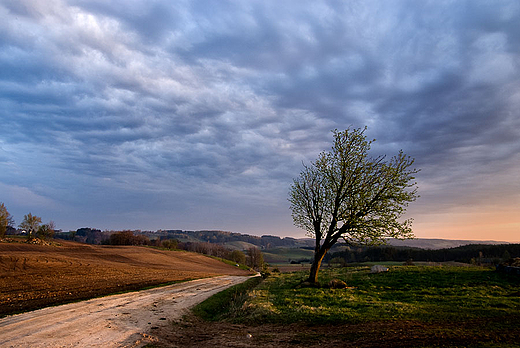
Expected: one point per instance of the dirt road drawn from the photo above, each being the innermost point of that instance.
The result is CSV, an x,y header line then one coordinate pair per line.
x,y
125,320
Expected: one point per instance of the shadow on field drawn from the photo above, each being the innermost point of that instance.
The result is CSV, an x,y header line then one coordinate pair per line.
x,y
194,332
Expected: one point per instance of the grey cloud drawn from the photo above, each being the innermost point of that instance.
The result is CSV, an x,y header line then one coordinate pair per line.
x,y
215,102
151,20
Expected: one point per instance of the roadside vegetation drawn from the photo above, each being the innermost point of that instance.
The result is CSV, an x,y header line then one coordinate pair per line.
x,y
226,303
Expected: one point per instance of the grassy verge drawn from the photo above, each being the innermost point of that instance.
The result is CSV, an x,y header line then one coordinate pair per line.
x,y
417,293
225,302
232,263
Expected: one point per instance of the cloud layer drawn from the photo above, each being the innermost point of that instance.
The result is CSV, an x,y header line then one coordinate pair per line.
x,y
197,114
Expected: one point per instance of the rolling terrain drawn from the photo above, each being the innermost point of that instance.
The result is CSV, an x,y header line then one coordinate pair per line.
x,y
35,276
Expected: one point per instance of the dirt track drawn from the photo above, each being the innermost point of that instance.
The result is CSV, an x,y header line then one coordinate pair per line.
x,y
125,320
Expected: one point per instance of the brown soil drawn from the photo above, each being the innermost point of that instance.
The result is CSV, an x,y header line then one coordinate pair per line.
x,y
35,276
193,332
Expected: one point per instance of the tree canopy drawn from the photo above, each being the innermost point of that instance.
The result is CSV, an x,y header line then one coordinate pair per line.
x,y
346,194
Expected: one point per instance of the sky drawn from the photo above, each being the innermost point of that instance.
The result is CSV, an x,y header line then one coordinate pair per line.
x,y
197,115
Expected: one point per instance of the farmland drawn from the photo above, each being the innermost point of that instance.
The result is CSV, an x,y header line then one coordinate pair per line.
x,y
34,276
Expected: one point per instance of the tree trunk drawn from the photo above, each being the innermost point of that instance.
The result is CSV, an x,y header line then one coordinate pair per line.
x,y
316,264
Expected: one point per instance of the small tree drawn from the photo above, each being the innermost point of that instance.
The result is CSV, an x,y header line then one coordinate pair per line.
x,y
347,194
255,259
238,256
6,220
46,231
30,224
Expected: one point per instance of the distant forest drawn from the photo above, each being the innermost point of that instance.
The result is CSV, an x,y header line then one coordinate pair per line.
x,y
223,242
473,253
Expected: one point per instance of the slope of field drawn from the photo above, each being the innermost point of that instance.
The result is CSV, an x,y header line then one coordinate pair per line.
x,y
34,276
286,255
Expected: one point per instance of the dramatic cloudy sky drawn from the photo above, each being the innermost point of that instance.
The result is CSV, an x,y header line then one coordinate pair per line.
x,y
198,114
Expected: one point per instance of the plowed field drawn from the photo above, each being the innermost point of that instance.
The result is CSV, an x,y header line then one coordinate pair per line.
x,y
35,276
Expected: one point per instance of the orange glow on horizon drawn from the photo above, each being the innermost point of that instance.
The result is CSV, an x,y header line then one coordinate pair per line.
x,y
476,223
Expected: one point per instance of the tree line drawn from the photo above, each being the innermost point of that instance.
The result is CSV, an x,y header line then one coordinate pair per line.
x,y
473,253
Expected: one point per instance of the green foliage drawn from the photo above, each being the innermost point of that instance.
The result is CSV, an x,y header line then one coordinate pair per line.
x,y
347,194
426,294
170,244
227,302
238,257
6,220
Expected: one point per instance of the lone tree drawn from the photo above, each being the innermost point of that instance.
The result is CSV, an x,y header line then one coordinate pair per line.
x,y
31,224
6,220
347,194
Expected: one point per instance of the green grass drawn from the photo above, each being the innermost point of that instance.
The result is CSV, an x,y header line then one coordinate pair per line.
x,y
229,262
285,255
225,302
427,294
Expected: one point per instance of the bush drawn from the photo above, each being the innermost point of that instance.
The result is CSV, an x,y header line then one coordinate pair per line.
x,y
265,271
170,244
127,238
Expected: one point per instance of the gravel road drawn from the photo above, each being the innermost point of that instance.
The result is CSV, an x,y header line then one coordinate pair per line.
x,y
125,320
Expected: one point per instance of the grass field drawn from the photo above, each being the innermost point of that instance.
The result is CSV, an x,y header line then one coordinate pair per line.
x,y
405,293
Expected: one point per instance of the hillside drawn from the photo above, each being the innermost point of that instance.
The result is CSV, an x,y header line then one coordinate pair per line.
x,y
231,240
32,276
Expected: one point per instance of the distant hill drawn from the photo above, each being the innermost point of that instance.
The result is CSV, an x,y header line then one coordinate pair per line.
x,y
434,244
239,241
231,240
